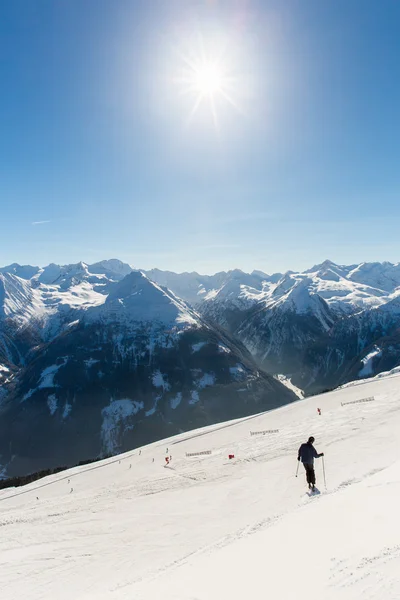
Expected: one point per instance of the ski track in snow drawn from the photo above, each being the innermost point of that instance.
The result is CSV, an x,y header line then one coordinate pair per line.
x,y
207,528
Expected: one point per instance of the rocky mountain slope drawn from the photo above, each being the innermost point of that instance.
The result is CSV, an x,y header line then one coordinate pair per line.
x,y
317,327
93,366
98,358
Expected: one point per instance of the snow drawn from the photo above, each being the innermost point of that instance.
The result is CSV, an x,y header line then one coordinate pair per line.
x,y
28,394
46,378
112,267
253,531
368,362
152,410
195,288
67,410
48,374
136,300
346,289
198,346
222,349
382,374
206,380
5,376
385,276
48,308
104,549
19,300
287,382
90,362
175,402
22,271
194,397
52,403
159,380
113,415
238,372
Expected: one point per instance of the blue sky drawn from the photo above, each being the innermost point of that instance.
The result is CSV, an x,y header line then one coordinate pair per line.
x,y
100,156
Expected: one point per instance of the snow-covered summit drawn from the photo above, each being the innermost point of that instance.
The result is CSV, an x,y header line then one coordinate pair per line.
x,y
384,276
76,273
18,300
237,285
301,299
49,274
113,268
290,315
22,271
328,267
135,298
346,288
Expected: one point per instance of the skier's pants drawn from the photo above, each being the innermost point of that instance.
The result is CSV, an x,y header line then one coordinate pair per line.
x,y
310,473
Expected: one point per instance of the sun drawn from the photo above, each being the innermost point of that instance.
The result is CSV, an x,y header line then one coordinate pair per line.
x,y
207,77
208,80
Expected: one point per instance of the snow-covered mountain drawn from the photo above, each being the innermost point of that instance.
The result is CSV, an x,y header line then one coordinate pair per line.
x,y
206,527
315,327
113,268
111,369
195,288
23,271
80,338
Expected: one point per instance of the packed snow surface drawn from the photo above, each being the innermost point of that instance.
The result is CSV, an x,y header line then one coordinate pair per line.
x,y
210,528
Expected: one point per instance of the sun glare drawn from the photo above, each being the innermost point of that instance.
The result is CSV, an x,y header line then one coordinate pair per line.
x,y
208,80
206,77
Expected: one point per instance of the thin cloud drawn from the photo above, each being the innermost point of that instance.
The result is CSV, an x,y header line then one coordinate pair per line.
x,y
40,222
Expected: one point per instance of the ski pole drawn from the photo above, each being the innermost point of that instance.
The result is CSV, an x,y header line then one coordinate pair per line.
x,y
297,470
323,469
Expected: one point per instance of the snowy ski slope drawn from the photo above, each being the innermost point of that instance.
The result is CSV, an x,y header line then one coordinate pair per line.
x,y
209,528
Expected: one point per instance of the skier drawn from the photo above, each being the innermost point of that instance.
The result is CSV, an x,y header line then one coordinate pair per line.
x,y
306,454
319,411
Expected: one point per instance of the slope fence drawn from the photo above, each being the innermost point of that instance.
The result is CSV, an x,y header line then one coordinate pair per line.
x,y
202,453
370,399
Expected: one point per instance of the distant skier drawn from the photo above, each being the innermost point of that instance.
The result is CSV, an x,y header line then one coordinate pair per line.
x,y
319,411
306,454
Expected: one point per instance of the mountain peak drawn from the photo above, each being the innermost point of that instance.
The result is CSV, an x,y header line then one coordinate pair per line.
x,y
257,273
22,271
113,268
138,299
326,264
16,296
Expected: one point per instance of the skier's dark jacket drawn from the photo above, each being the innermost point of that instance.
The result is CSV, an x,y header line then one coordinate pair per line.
x,y
307,453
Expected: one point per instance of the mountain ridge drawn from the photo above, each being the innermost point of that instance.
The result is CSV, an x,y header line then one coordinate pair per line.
x,y
112,364
149,353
